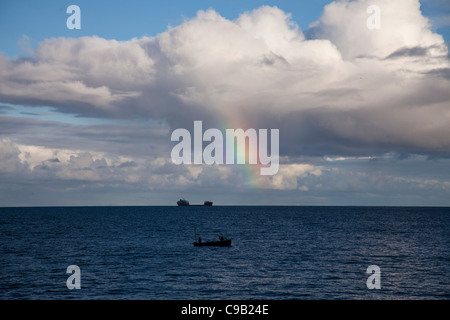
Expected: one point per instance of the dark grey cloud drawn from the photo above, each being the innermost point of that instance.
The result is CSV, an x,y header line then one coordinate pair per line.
x,y
132,138
324,131
442,72
409,52
4,109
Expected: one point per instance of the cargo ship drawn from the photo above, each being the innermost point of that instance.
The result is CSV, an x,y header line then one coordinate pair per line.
x,y
185,203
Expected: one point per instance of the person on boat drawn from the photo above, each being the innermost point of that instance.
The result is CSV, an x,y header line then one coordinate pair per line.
x,y
199,240
221,238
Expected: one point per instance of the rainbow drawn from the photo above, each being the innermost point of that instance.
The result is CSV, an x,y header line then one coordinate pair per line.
x,y
247,155
250,173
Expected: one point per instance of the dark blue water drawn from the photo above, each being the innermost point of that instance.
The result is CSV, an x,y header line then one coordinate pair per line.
x,y
277,252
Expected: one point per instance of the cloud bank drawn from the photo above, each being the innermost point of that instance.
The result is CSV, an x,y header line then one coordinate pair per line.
x,y
337,89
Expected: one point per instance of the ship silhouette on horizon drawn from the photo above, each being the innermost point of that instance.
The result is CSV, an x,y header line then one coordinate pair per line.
x,y
185,203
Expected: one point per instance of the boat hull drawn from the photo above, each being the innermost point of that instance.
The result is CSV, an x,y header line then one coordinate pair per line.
x,y
222,243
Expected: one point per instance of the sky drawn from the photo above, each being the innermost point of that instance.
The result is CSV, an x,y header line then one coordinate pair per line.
x,y
363,113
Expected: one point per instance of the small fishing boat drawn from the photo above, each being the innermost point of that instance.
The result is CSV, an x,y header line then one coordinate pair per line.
x,y
222,242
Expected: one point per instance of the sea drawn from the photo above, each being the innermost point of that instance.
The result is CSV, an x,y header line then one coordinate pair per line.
x,y
277,253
